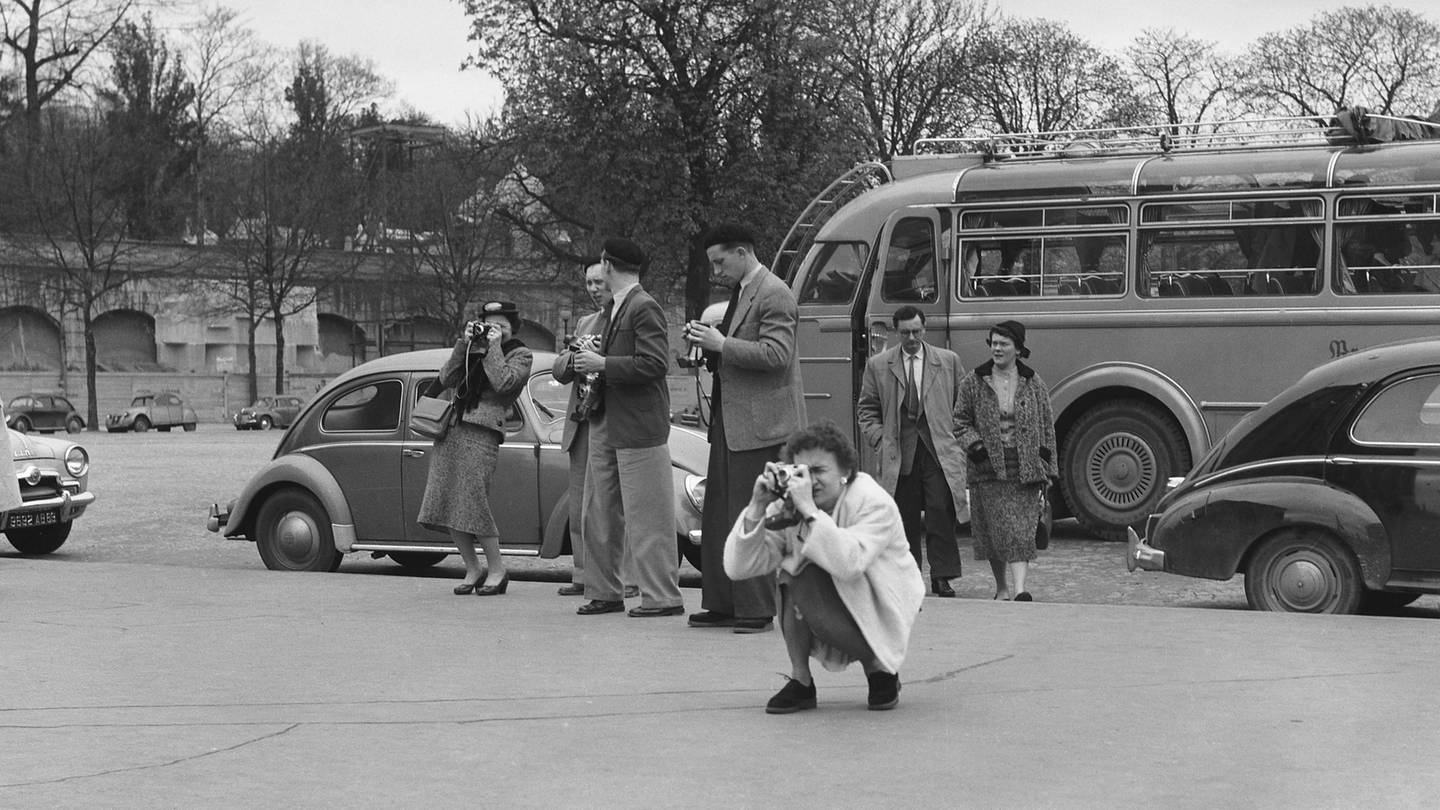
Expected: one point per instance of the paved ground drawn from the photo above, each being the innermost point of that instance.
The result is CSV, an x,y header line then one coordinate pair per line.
x,y
142,685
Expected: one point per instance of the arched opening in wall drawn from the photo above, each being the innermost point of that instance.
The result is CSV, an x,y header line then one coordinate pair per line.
x,y
125,341
343,343
537,337
29,340
415,333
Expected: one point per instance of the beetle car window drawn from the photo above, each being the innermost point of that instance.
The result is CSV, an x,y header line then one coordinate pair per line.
x,y
373,407
1407,412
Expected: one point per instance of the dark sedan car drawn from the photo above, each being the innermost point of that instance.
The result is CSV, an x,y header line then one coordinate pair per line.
x,y
1327,498
46,413
268,412
350,475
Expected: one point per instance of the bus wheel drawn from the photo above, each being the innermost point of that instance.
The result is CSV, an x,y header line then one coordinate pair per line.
x,y
1115,462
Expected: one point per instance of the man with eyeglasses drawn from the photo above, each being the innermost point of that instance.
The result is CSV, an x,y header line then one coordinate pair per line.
x,y
907,402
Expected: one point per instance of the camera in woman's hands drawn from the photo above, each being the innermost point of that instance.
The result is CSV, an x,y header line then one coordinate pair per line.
x,y
480,334
777,480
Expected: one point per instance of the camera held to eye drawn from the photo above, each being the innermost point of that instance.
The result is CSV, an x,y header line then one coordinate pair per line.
x,y
777,480
479,333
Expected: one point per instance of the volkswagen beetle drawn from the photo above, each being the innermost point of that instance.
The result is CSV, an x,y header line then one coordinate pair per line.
x,y
1326,499
350,474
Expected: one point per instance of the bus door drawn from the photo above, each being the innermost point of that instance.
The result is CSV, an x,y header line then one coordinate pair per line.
x,y
830,291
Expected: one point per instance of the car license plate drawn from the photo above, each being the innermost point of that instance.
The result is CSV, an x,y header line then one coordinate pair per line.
x,y
26,519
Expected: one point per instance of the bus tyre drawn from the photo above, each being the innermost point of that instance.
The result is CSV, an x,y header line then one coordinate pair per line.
x,y
1115,462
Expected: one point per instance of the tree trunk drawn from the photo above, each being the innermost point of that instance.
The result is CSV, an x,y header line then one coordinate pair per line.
x,y
279,352
93,411
253,376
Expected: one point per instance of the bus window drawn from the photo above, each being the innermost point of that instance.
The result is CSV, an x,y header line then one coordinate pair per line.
x,y
1388,244
1000,267
1083,265
834,273
1220,247
1045,266
909,271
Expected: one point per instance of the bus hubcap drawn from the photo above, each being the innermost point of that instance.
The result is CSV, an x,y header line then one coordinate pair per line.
x,y
1122,471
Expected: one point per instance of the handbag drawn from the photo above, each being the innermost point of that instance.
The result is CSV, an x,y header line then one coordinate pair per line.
x,y
1042,526
432,416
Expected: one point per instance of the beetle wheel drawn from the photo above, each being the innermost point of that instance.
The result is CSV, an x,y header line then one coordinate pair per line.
x,y
293,533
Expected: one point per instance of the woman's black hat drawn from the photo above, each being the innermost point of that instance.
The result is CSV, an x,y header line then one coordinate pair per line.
x,y
1016,332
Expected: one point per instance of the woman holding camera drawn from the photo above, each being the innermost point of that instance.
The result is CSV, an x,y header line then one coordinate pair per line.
x,y
487,370
849,587
1004,422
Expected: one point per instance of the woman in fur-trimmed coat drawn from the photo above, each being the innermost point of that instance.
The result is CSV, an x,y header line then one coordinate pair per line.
x,y
1004,422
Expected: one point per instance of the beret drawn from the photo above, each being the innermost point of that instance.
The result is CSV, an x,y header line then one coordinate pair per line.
x,y
624,251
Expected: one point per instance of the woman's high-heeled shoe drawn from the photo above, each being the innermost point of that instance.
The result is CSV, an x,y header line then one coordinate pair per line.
x,y
494,590
465,588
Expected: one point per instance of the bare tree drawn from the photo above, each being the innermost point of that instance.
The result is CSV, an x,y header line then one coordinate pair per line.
x,y
53,40
229,66
907,64
1383,57
1181,78
78,224
1037,75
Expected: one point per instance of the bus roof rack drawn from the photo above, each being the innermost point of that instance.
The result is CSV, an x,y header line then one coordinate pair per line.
x,y
1354,126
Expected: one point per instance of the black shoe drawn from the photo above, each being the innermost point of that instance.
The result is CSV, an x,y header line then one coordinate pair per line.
x,y
632,591
942,588
791,698
595,606
884,690
753,626
1024,596
497,589
573,589
465,588
710,618
643,612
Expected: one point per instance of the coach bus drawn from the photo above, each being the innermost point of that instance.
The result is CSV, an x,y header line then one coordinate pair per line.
x,y
1169,283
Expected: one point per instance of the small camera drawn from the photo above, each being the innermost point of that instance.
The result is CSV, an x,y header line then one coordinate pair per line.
x,y
779,476
479,333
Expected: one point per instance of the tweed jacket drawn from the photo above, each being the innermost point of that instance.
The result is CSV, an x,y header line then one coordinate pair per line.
x,y
882,392
508,372
977,427
862,547
564,372
637,357
761,400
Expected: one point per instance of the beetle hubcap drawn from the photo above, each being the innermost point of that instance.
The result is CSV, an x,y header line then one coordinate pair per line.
x,y
1122,471
1302,581
296,536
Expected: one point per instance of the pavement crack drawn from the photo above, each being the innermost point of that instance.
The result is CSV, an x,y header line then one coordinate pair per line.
x,y
155,765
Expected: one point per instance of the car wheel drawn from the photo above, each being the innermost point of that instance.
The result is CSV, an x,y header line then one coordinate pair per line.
x,y
689,552
1303,572
22,425
141,424
39,540
265,423
189,427
293,533
417,559
1383,602
1115,463
74,425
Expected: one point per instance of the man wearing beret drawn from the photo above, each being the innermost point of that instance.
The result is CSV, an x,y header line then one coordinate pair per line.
x,y
757,402
629,454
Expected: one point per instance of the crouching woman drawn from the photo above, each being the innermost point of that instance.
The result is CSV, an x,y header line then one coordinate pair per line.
x,y
849,587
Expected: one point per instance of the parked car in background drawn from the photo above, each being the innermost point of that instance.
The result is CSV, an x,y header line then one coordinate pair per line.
x,y
46,413
350,475
161,411
54,477
1327,498
268,412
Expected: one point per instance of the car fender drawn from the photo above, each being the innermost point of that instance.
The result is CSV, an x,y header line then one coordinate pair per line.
x,y
1209,532
1144,379
299,470
187,415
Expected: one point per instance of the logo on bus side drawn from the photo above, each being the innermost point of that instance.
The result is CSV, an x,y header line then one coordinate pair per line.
x,y
1339,348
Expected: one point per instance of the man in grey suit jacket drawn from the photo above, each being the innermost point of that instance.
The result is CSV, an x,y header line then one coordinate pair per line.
x,y
756,403
629,454
575,439
906,412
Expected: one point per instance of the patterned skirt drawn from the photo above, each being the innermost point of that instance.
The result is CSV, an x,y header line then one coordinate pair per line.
x,y
457,491
1004,515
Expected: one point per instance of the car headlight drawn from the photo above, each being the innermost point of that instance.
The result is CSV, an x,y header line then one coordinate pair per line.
x,y
77,461
695,491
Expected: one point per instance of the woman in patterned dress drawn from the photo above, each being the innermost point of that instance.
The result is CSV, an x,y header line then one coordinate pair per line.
x,y
1004,422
